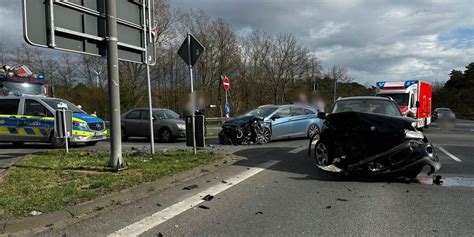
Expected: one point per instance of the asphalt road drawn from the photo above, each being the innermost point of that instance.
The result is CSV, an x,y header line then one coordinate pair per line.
x,y
292,197
277,191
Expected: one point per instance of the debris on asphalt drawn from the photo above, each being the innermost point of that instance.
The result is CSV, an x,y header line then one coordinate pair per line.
x,y
328,207
211,146
35,213
342,199
204,170
191,187
135,151
203,207
407,191
259,213
159,234
437,180
158,205
350,190
208,197
49,225
224,182
176,226
208,181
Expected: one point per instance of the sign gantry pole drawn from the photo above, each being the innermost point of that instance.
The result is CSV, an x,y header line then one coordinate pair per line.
x,y
193,102
147,64
116,162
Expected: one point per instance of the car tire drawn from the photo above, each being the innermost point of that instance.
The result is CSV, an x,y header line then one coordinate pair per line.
x,y
57,142
91,143
322,154
124,134
313,129
165,135
18,143
265,136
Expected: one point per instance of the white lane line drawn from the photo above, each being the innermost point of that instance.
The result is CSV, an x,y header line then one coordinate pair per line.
x,y
449,154
297,150
162,216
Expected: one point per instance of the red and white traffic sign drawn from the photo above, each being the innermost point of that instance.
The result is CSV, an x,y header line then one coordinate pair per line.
x,y
226,83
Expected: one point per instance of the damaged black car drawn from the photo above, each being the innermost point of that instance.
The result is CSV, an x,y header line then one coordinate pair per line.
x,y
369,137
245,130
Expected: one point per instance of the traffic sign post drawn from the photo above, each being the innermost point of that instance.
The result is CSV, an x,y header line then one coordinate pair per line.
x,y
63,125
113,28
190,51
226,85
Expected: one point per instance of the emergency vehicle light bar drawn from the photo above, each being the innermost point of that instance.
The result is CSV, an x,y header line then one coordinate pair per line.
x,y
409,83
380,84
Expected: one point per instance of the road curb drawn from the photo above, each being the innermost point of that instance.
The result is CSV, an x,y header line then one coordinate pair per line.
x,y
73,214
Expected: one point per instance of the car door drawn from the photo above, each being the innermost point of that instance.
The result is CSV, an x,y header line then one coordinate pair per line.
x,y
131,123
281,124
9,110
300,121
35,122
144,126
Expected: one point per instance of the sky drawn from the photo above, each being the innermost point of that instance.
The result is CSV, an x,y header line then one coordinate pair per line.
x,y
374,39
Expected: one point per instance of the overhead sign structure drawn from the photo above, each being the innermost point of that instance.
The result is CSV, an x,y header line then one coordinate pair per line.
x,y
226,83
190,51
80,26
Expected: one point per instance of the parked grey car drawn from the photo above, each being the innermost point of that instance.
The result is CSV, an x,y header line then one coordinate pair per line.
x,y
166,123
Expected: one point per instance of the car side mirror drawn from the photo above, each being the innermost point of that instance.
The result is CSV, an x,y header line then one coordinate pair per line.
x,y
322,115
417,104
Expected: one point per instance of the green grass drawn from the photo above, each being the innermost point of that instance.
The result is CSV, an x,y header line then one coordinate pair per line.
x,y
53,180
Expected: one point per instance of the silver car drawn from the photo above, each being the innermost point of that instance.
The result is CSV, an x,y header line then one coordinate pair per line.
x,y
166,123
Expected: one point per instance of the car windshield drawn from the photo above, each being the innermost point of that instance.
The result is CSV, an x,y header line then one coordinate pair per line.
x,y
12,88
444,110
401,99
385,107
261,112
60,104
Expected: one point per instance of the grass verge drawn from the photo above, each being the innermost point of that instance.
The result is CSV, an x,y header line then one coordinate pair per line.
x,y
50,181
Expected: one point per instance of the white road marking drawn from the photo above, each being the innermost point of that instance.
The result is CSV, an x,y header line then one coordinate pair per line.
x,y
164,215
297,150
449,154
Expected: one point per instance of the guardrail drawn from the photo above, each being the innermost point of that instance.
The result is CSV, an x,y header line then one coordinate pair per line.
x,y
469,116
217,120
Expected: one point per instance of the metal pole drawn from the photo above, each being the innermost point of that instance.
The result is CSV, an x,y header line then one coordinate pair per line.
x,y
335,88
193,103
66,132
116,160
150,106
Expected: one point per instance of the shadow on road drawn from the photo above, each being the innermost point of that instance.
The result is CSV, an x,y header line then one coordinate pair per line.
x,y
300,164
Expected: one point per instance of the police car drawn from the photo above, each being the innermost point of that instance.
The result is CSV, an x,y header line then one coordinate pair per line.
x,y
31,119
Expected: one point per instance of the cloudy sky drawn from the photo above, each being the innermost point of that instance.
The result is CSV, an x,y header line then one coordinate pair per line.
x,y
374,39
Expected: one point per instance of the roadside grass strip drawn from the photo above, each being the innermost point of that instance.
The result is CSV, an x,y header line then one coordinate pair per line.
x,y
52,180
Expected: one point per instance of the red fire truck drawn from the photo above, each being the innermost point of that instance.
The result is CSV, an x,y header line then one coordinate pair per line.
x,y
21,81
413,97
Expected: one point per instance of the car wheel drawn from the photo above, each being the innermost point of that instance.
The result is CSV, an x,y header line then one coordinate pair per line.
x,y
165,135
265,136
124,134
18,143
57,142
312,130
321,154
91,143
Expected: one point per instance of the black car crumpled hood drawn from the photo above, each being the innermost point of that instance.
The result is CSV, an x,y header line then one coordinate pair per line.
x,y
358,121
364,134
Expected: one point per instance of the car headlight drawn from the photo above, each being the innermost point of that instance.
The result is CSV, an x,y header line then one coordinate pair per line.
x,y
181,126
79,124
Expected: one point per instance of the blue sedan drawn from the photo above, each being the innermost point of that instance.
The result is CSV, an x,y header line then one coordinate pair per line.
x,y
285,121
